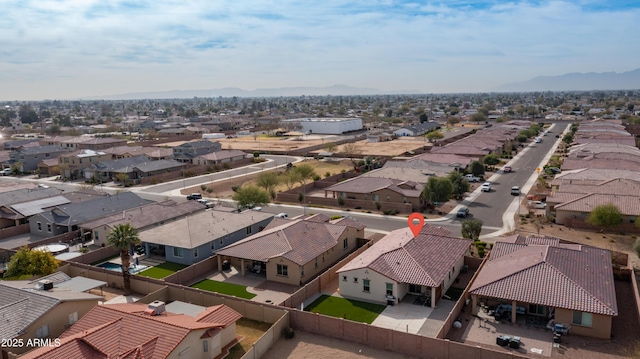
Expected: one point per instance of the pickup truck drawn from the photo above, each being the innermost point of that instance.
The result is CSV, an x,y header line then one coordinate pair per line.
x,y
472,178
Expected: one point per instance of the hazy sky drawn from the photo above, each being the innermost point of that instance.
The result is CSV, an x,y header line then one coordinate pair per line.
x,y
76,48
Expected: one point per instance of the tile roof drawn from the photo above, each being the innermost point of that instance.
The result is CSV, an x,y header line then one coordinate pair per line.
x,y
80,212
614,186
143,217
223,155
627,204
570,277
41,150
299,241
122,164
596,174
612,161
202,227
373,184
26,194
19,308
423,260
445,158
124,331
156,165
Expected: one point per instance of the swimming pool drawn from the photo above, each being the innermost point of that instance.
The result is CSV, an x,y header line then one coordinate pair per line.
x,y
133,269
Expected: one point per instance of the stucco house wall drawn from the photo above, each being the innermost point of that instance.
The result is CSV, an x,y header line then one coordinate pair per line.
x,y
600,328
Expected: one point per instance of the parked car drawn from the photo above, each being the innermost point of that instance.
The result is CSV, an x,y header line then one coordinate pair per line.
x,y
471,178
281,215
463,212
6,172
538,205
486,187
194,196
507,169
205,202
515,191
557,136
554,170
538,140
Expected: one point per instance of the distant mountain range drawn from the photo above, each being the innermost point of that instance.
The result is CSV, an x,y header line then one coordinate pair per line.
x,y
335,90
577,82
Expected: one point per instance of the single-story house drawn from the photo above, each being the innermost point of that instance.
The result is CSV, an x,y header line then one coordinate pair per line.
x,y
376,189
571,283
193,238
417,129
219,157
154,330
294,251
400,263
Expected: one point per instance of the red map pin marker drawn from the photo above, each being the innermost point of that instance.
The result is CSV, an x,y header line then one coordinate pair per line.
x,y
416,227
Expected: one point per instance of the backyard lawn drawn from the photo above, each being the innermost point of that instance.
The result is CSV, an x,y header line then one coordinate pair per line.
x,y
162,270
235,290
348,309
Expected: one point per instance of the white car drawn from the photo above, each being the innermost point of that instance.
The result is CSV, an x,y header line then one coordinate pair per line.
x,y
538,205
486,187
281,215
538,140
6,172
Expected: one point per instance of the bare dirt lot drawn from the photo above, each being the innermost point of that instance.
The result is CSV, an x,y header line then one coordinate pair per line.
x,y
396,147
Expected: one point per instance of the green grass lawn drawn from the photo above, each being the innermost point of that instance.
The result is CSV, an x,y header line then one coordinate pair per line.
x,y
344,308
235,290
162,270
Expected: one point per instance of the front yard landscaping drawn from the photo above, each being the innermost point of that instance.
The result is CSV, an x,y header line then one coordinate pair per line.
x,y
354,310
235,290
162,270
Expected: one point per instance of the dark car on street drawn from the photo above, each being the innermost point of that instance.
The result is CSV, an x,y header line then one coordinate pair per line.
x,y
463,212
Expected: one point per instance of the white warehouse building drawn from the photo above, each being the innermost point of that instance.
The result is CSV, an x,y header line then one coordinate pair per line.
x,y
329,126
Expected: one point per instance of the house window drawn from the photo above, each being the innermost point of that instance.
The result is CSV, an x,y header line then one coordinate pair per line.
x,y
389,288
366,285
582,318
213,246
49,227
376,198
388,198
195,252
323,257
404,199
96,236
205,346
345,243
39,226
355,280
249,230
282,270
221,241
73,317
302,271
344,278
177,252
43,331
316,262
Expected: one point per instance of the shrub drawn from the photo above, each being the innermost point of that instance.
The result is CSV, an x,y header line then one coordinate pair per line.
x,y
316,177
337,216
203,187
481,252
235,188
209,190
226,166
378,206
289,333
327,174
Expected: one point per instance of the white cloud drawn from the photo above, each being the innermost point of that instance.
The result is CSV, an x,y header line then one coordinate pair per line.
x,y
60,49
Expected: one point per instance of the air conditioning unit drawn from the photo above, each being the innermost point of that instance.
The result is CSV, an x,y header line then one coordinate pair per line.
x,y
156,307
44,284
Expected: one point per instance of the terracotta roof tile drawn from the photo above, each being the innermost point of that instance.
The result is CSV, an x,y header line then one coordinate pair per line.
x,y
424,260
571,277
628,205
123,330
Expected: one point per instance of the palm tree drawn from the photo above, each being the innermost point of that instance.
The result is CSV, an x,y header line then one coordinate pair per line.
x,y
123,237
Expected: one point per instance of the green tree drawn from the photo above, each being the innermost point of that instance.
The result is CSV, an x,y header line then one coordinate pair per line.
x,y
123,237
521,138
250,196
568,138
476,168
478,117
491,159
27,263
434,135
290,178
423,117
471,229
606,215
305,172
269,181
459,183
437,190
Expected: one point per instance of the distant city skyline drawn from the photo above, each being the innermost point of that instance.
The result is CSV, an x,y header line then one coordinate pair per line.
x,y
70,49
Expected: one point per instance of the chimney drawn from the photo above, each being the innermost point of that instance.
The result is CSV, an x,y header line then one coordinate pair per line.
x,y
155,308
